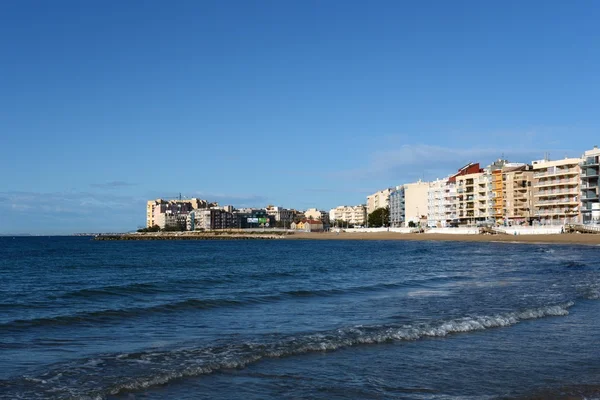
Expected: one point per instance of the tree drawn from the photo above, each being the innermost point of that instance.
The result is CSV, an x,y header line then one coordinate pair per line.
x,y
154,228
380,217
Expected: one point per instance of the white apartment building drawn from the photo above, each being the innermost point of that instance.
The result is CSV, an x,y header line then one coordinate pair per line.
x,y
557,191
378,200
353,215
415,201
437,203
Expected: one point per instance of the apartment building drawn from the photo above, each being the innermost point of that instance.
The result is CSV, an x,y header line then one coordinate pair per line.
x,y
154,209
378,200
497,199
215,218
352,215
415,199
280,214
590,206
557,191
436,203
517,194
451,195
397,207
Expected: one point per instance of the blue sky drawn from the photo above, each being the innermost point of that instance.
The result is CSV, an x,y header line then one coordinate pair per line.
x,y
104,105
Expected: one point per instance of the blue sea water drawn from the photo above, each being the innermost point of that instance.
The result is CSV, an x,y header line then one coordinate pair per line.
x,y
294,319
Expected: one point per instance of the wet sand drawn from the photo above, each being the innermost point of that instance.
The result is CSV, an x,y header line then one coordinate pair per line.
x,y
566,238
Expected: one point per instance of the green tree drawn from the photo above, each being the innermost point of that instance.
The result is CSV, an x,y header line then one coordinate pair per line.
x,y
380,217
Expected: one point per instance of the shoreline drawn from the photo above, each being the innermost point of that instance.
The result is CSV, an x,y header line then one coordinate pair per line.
x,y
563,238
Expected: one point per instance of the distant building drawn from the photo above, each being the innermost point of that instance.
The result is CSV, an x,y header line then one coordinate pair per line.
x,y
160,212
280,214
313,213
350,215
308,225
212,219
254,218
378,199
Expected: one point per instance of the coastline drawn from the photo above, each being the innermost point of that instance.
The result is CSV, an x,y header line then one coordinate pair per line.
x,y
564,238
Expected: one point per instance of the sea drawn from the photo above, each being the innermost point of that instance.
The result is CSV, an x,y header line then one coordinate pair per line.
x,y
297,319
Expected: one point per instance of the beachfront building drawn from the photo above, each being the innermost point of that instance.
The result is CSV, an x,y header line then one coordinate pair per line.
x,y
350,215
497,197
487,194
557,191
313,213
436,203
378,199
415,198
590,206
163,212
517,194
452,194
397,207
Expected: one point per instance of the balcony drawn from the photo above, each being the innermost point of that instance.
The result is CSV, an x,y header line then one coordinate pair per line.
x,y
546,193
556,182
552,202
557,172
589,197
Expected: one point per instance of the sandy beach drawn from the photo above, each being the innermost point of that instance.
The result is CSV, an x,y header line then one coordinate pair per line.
x,y
570,238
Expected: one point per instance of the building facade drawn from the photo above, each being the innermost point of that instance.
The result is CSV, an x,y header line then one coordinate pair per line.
x,y
557,191
211,219
517,194
351,215
590,205
280,214
436,203
397,207
155,209
377,200
415,202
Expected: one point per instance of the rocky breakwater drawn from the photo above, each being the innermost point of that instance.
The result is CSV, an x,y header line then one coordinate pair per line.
x,y
213,235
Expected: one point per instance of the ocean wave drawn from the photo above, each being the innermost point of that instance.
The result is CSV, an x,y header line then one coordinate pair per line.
x,y
110,315
89,379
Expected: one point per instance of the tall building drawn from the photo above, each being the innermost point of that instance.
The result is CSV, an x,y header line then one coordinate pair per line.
x,y
453,194
415,198
397,207
557,191
517,194
377,200
590,206
436,203
497,212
